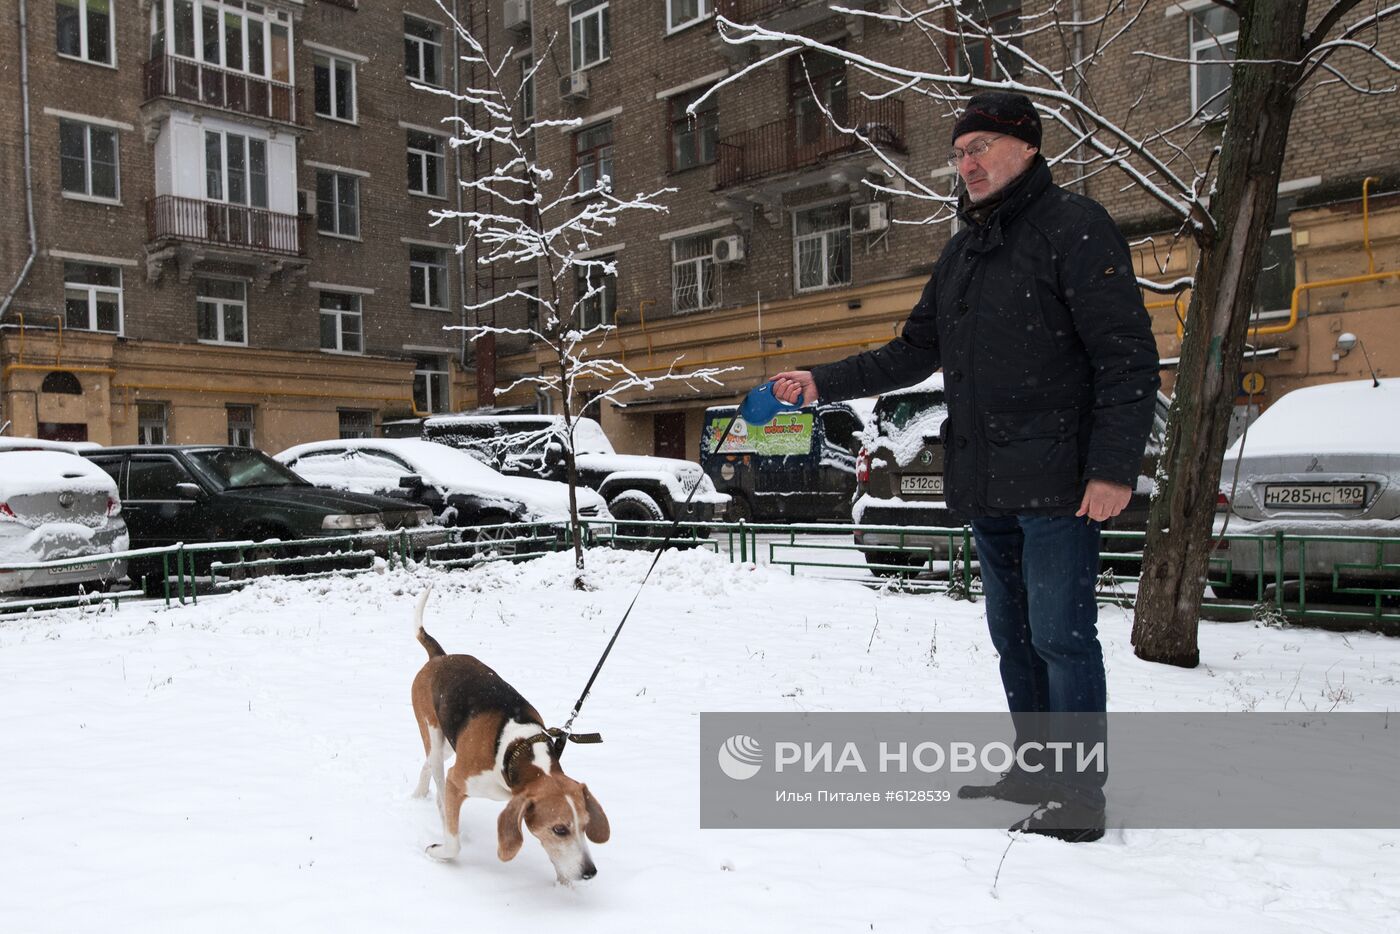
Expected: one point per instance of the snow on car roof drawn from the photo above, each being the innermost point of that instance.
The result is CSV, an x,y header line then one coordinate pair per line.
x,y
441,466
24,473
933,383
589,436
39,444
1353,417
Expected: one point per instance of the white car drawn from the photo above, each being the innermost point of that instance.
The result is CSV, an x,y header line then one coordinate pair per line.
x,y
56,505
458,488
1322,460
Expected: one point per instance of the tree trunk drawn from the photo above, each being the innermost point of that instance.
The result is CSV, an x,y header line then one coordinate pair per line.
x,y
1179,539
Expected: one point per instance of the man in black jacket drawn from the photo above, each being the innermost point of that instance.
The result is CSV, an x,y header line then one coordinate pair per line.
x,y
1051,372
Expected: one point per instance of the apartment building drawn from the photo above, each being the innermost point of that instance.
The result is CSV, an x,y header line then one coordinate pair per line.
x,y
232,236
777,254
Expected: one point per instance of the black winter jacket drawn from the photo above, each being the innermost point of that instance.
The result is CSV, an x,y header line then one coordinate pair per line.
x,y
1049,364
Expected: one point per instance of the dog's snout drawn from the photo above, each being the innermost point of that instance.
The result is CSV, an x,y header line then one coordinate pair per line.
x,y
589,871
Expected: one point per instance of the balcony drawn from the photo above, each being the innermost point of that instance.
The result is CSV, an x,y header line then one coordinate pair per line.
x,y
191,230
188,80
776,149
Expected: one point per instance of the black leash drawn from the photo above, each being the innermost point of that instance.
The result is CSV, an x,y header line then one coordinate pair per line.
x,y
563,736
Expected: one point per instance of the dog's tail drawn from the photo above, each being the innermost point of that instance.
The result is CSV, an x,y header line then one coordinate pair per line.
x,y
425,640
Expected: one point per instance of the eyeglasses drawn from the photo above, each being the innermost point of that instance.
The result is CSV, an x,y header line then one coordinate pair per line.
x,y
977,149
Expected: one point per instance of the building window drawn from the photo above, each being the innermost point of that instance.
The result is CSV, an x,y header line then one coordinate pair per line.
x,y
337,203
335,87
422,51
240,425
527,89
1214,32
597,292
87,158
822,247
816,82
427,277
235,169
693,138
683,13
976,52
85,30
430,384
341,325
589,39
426,164
593,157
694,283
150,423
1273,292
532,305
249,39
61,382
221,311
356,423
92,297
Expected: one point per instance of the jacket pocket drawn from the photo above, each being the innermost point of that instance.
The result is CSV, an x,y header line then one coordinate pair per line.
x,y
1032,458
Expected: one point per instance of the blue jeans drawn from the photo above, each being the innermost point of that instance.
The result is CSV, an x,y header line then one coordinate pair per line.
x,y
1038,575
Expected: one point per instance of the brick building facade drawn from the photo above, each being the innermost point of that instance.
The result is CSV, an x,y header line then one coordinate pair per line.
x,y
774,252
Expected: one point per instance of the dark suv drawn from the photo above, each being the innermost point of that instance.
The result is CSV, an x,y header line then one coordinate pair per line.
x,y
637,487
210,493
899,479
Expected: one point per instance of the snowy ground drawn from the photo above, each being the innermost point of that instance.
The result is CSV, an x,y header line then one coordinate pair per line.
x,y
245,765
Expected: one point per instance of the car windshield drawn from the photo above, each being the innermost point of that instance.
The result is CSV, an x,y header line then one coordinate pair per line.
x,y
240,468
897,411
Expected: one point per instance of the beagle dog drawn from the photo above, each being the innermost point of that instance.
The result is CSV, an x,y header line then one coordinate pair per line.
x,y
503,753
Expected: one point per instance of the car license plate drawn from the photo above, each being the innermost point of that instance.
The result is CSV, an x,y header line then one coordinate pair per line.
x,y
1315,496
76,568
921,483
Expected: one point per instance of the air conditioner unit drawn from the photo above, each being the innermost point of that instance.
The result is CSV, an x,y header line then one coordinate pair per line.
x,y
574,86
727,249
870,218
517,15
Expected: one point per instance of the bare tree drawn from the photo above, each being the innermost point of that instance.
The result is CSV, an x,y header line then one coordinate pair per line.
x,y
527,217
1222,196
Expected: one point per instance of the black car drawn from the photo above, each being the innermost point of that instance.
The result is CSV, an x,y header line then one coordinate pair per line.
x,y
801,466
210,493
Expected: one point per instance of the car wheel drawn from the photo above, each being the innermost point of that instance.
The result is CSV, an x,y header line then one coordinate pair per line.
x,y
740,510
261,553
1241,587
638,516
900,563
492,541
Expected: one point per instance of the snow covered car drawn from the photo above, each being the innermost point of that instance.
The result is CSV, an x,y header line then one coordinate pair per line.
x,y
458,488
899,480
637,487
1322,460
209,493
56,505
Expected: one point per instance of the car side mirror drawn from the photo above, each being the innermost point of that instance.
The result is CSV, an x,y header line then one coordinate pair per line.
x,y
411,482
189,491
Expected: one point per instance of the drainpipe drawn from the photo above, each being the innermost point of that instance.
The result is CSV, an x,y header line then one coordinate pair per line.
x,y
457,168
28,161
1076,9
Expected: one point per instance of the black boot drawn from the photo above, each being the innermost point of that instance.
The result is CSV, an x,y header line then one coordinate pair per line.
x,y
1070,824
1014,785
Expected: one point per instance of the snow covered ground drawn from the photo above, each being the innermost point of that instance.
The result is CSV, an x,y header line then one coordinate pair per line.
x,y
246,764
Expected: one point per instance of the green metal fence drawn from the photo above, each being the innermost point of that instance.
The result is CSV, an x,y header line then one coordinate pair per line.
x,y
1276,577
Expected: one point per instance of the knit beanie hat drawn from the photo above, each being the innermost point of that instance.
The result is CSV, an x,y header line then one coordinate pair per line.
x,y
1000,112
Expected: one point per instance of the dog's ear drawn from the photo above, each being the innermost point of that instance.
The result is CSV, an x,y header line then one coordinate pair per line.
x,y
598,829
509,838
